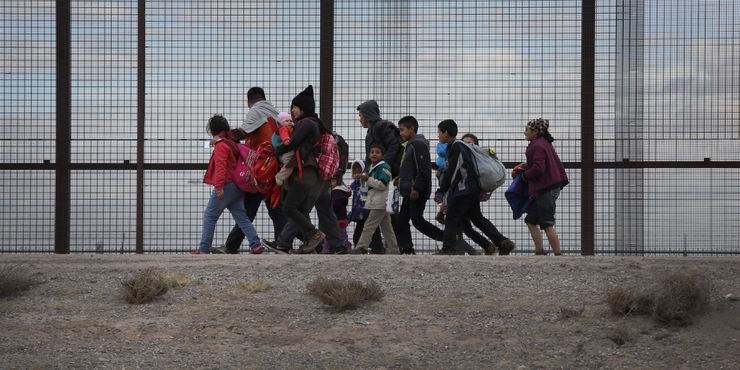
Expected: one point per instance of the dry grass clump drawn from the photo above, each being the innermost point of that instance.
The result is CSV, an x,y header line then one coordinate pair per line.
x,y
144,286
621,335
569,313
345,295
675,300
252,286
15,279
177,281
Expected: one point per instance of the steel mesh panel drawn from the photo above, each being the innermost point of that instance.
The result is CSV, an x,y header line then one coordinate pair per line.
x,y
104,36
27,216
27,86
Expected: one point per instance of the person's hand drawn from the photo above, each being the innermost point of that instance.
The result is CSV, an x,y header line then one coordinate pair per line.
x,y
286,141
439,197
220,193
363,177
439,173
414,194
521,167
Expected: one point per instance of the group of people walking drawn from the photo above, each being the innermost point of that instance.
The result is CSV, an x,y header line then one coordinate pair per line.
x,y
397,161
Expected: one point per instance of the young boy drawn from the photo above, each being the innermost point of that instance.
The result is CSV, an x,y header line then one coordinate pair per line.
x,y
377,180
415,185
460,183
340,194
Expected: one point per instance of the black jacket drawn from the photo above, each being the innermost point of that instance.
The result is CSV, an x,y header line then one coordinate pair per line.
x,y
384,133
305,135
416,168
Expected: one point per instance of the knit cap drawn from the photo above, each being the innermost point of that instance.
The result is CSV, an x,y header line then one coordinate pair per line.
x,y
304,100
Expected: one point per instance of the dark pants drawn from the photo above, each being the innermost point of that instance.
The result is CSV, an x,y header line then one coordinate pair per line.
x,y
474,235
466,206
376,245
252,204
321,198
412,212
298,202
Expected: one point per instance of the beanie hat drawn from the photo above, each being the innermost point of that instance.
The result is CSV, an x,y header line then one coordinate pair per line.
x,y
539,125
283,116
304,100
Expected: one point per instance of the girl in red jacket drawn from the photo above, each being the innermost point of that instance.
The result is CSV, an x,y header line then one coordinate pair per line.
x,y
545,176
225,194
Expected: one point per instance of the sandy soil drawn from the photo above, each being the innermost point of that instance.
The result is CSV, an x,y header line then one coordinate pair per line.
x,y
438,312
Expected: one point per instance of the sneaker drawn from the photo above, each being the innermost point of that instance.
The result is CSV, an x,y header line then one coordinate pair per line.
x,y
198,251
448,252
257,249
312,242
223,250
490,250
358,250
505,247
272,247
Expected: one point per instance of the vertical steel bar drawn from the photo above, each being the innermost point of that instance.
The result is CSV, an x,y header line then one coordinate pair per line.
x,y
141,105
62,207
326,69
588,78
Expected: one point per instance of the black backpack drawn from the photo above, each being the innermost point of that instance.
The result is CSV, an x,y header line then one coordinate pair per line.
x,y
343,154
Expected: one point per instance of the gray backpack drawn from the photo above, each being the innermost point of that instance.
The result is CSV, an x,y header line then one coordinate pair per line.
x,y
491,172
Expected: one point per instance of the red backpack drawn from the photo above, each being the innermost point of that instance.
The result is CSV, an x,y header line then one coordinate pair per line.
x,y
328,155
255,170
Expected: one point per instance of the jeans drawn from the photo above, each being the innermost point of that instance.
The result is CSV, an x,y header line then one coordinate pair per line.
x,y
467,206
252,203
413,211
233,200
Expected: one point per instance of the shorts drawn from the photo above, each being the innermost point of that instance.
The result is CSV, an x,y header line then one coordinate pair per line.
x,y
542,209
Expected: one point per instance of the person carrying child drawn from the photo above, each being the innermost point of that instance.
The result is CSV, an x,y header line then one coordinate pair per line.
x,y
225,193
377,178
282,137
545,175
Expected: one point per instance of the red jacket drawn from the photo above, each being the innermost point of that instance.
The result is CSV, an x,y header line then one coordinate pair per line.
x,y
544,169
223,161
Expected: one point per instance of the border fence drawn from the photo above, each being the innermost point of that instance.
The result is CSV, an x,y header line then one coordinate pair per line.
x,y
104,107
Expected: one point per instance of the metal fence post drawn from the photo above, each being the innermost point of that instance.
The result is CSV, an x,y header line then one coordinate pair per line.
x,y
62,224
140,110
588,61
326,69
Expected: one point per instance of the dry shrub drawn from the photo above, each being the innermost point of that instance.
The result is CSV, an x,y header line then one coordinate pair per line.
x,y
680,297
345,295
621,335
144,286
253,286
673,301
627,301
15,279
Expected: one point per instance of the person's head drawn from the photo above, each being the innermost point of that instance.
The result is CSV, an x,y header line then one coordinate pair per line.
x,y
303,104
537,128
376,153
408,126
447,130
357,167
336,181
368,112
254,95
470,139
217,124
284,119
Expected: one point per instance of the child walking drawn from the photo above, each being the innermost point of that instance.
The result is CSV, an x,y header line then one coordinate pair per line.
x,y
282,137
340,194
377,180
358,214
545,175
225,194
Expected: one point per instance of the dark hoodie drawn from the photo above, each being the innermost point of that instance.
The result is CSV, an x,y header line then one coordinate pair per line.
x,y
381,132
416,168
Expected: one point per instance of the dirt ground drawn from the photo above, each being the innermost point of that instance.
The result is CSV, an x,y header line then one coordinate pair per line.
x,y
439,312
